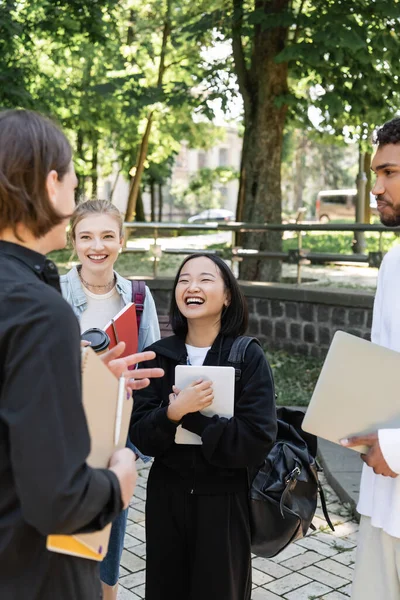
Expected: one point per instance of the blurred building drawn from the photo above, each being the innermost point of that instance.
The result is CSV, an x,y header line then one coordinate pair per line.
x,y
225,153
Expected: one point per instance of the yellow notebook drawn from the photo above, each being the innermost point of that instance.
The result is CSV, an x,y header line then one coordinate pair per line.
x,y
100,399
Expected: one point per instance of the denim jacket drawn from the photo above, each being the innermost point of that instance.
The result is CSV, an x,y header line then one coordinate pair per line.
x,y
149,331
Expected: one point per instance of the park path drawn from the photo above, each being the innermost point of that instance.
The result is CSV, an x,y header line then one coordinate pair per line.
x,y
318,566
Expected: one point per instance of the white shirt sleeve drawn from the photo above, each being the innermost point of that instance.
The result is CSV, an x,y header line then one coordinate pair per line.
x,y
378,307
389,441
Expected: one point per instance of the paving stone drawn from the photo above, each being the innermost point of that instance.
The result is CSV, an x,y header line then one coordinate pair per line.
x,y
353,537
124,594
347,590
136,515
259,578
319,523
123,572
337,518
133,580
137,531
270,567
312,544
140,493
302,560
139,550
314,572
334,596
346,558
332,540
335,506
261,594
130,542
332,566
312,590
346,529
287,584
132,562
139,505
140,591
289,552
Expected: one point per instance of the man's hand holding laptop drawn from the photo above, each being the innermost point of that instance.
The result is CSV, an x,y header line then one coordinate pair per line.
x,y
374,457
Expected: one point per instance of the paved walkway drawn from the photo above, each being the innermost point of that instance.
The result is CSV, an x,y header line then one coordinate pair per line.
x,y
318,566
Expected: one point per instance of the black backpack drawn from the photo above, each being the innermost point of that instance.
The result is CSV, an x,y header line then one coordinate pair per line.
x,y
283,491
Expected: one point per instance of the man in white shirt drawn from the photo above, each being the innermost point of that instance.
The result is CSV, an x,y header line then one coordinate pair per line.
x,y
377,569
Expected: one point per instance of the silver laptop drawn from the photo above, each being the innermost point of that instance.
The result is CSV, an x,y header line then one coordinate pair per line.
x,y
223,379
358,390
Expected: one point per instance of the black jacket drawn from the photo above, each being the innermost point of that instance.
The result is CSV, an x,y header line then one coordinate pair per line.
x,y
45,484
229,445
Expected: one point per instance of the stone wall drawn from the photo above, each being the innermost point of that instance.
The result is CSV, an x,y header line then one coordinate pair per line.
x,y
294,318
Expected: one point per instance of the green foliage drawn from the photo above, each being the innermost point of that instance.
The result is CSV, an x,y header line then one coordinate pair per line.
x,y
295,377
340,241
94,65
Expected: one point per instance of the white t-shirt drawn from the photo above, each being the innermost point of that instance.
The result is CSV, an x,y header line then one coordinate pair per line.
x,y
101,308
379,495
196,355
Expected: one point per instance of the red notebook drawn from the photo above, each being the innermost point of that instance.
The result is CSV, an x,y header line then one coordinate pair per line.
x,y
123,328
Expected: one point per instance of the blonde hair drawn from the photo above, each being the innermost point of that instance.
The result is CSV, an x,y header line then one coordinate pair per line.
x,y
90,208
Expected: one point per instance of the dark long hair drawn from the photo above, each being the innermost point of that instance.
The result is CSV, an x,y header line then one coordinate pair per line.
x,y
234,317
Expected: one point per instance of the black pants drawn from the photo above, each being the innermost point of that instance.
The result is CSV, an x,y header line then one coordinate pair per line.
x,y
197,546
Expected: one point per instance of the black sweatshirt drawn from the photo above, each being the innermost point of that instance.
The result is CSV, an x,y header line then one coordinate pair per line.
x,y
229,445
45,484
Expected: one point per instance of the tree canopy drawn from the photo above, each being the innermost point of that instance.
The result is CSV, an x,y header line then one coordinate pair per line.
x,y
130,80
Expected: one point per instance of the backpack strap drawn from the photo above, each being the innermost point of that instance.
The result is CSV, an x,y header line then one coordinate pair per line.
x,y
138,298
238,352
323,506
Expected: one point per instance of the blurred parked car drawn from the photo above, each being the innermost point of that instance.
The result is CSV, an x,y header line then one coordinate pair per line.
x,y
212,214
339,204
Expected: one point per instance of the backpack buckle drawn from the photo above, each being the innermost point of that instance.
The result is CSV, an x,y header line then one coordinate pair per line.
x,y
293,475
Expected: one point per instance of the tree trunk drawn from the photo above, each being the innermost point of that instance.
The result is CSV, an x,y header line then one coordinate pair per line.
x,y
300,168
137,177
140,216
95,155
115,184
358,244
367,171
262,168
152,200
80,190
160,202
261,86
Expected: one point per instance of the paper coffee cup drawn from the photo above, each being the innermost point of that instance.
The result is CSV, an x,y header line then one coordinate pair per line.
x,y
98,339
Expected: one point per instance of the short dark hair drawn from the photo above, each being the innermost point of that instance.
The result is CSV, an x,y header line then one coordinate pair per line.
x,y
31,146
234,317
389,133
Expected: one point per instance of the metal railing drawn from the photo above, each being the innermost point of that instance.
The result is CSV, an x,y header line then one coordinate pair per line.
x,y
299,256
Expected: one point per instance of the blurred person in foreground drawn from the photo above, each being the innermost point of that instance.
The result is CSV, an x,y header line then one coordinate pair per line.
x,y
46,485
377,569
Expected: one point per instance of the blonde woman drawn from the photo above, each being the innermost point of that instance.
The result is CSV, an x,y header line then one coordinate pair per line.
x,y
97,293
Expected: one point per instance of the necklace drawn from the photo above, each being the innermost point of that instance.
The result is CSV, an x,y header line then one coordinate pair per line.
x,y
107,286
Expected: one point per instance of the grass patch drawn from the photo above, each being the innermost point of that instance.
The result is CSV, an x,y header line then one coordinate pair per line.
x,y
295,377
339,241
